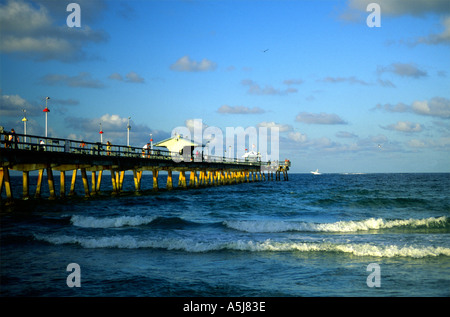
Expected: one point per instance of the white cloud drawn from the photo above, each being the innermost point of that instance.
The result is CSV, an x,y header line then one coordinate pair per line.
x,y
351,80
131,77
115,130
443,37
346,135
404,126
272,124
185,64
239,110
435,107
195,124
438,144
293,82
355,11
12,105
415,143
403,69
319,118
386,83
29,30
402,7
116,76
297,137
256,89
83,79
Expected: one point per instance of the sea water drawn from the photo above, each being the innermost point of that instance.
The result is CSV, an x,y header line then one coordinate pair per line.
x,y
314,235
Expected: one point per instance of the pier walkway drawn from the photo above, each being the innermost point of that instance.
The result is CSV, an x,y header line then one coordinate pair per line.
x,y
28,153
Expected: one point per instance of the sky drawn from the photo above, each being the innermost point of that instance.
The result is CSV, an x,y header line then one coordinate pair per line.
x,y
347,95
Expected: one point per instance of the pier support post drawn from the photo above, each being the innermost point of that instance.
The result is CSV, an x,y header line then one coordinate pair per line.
x,y
72,183
169,180
122,175
155,173
85,182
62,184
192,179
51,183
182,179
93,183
26,188
201,178
1,183
137,179
99,181
39,184
117,176
115,186
7,181
209,178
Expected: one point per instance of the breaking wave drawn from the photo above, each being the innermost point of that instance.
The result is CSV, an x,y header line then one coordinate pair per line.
x,y
189,245
113,222
268,226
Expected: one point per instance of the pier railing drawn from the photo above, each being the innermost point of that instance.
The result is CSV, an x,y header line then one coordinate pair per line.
x,y
35,143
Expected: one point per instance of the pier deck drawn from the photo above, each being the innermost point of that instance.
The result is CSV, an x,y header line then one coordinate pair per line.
x,y
36,153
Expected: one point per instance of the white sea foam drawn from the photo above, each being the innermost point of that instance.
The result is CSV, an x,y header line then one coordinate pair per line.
x,y
110,222
267,226
189,245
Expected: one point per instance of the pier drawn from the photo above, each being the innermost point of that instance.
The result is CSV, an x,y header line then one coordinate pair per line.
x,y
27,153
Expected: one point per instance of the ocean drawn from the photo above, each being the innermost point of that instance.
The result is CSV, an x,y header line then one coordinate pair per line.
x,y
329,235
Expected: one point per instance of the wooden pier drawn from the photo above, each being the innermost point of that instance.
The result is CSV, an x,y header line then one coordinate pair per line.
x,y
51,155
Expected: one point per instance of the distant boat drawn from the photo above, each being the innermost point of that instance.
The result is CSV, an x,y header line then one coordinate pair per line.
x,y
316,172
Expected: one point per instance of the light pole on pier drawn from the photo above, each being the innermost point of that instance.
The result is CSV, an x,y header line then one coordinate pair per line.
x,y
46,110
128,132
101,133
24,125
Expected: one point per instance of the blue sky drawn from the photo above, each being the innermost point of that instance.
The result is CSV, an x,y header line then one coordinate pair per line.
x,y
346,97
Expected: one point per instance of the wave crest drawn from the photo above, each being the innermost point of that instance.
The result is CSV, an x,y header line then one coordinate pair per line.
x,y
189,245
113,222
258,226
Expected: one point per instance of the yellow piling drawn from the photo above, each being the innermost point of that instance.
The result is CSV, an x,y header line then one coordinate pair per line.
x,y
51,183
93,183
39,183
62,184
26,189
1,182
115,189
169,180
85,182
182,180
99,181
72,183
192,179
155,173
122,175
7,181
137,181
